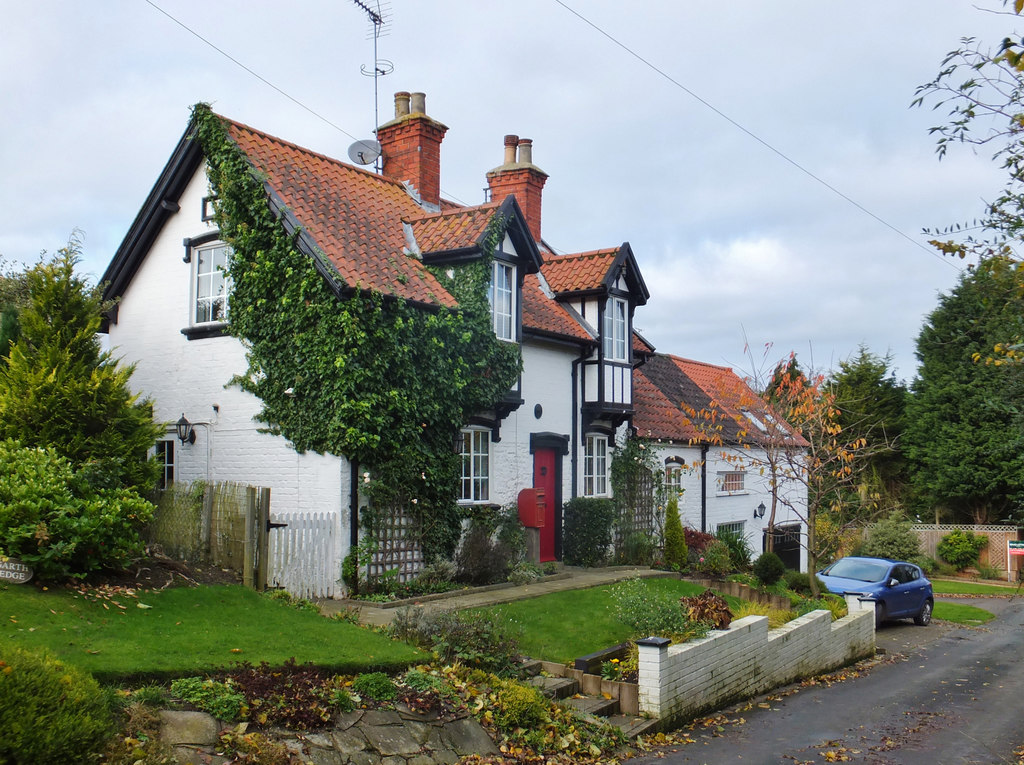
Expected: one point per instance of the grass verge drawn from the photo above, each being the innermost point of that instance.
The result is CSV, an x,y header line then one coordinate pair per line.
x,y
565,625
963,587
186,630
969,616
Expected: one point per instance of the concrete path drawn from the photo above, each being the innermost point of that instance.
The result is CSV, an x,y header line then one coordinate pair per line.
x,y
570,578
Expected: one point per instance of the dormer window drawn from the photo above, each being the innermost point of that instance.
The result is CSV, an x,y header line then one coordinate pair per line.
x,y
614,330
501,296
212,283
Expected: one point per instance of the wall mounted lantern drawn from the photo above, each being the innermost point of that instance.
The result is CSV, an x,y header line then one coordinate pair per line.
x,y
186,432
758,511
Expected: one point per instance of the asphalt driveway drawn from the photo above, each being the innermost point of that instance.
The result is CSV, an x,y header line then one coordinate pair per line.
x,y
940,694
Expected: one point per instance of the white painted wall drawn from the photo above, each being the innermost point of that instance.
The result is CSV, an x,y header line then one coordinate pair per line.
x,y
192,378
732,507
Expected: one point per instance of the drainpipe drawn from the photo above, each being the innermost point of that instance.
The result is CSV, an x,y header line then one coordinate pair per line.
x,y
574,440
704,488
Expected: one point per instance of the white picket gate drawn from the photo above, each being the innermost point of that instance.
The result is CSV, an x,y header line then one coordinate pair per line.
x,y
304,554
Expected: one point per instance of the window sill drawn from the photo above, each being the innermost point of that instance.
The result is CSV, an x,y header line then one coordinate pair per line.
x,y
741,493
202,331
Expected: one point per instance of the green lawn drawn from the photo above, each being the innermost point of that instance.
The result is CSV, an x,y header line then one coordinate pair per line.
x,y
964,587
565,625
187,630
970,616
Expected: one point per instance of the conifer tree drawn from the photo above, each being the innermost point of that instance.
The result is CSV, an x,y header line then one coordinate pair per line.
x,y
60,389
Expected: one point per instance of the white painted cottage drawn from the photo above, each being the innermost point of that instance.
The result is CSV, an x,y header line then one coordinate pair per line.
x,y
715,439
571,314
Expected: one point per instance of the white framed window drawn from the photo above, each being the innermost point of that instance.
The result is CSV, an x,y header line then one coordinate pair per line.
x,y
614,330
501,296
673,480
595,467
735,528
476,466
165,458
212,283
731,482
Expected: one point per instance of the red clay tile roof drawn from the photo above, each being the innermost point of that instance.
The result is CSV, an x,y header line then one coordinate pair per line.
x,y
580,272
684,400
353,215
542,314
452,229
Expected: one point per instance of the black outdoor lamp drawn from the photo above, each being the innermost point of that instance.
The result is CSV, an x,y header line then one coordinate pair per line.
x,y
758,511
186,432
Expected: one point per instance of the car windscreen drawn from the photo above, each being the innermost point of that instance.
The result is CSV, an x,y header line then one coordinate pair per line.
x,y
864,570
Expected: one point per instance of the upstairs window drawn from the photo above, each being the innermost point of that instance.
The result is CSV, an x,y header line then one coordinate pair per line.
x,y
595,467
501,295
614,330
731,482
212,283
476,466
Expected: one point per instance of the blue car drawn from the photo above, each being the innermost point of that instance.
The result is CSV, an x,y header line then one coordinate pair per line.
x,y
900,589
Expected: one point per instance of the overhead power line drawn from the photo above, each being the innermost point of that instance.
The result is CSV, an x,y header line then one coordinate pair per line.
x,y
778,152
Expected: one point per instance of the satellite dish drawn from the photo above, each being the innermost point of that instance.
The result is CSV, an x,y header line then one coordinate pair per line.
x,y
364,152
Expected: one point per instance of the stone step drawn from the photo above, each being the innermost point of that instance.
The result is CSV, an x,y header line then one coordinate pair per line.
x,y
598,706
555,687
633,726
530,668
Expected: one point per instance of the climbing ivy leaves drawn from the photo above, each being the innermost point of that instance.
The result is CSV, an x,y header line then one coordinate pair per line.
x,y
367,376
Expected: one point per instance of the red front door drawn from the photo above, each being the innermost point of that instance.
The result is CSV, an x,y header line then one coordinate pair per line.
x,y
545,462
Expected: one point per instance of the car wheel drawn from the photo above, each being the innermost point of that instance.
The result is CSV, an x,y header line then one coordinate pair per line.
x,y
879,613
924,616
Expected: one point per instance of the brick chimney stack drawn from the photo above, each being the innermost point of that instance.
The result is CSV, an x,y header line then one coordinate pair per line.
x,y
519,176
411,147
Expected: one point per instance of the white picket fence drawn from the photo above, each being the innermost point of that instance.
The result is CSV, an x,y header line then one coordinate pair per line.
x,y
304,556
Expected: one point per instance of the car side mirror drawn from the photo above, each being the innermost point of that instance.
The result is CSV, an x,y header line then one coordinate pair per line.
x,y
893,582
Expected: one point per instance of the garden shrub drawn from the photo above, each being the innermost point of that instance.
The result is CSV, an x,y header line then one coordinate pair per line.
x,y
519,706
375,685
776,616
56,522
836,604
479,640
715,560
219,699
524,573
49,711
800,583
891,538
739,548
636,549
648,613
928,565
769,568
696,541
482,559
675,539
707,608
961,549
587,530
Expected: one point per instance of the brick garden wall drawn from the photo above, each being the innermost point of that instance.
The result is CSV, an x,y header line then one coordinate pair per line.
x,y
680,681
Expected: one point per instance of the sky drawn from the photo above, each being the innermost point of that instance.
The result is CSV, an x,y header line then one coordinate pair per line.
x,y
735,146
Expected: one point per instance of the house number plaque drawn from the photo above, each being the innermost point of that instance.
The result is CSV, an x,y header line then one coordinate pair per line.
x,y
13,570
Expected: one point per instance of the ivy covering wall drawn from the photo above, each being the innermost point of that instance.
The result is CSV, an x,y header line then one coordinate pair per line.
x,y
367,376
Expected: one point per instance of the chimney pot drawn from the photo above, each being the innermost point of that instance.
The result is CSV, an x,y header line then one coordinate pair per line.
x,y
526,151
401,104
418,103
511,142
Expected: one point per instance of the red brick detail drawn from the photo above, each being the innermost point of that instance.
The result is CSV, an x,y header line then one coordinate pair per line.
x,y
411,149
527,184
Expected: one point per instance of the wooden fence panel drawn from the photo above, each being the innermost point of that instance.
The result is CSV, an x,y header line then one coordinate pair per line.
x,y
303,554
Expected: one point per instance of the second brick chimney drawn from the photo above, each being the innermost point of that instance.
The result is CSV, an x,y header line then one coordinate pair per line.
x,y
519,176
411,147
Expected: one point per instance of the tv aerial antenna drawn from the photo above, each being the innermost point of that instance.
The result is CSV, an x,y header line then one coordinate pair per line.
x,y
379,14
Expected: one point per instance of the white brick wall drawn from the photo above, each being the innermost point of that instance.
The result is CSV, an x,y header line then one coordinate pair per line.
x,y
681,681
